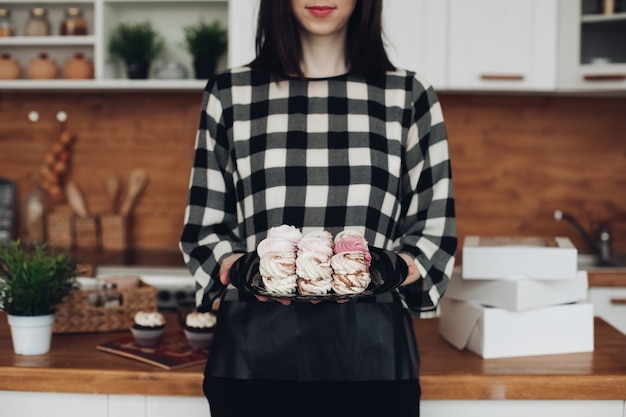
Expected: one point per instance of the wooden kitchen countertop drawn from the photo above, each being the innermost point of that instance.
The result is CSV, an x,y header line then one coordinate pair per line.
x,y
169,258
73,365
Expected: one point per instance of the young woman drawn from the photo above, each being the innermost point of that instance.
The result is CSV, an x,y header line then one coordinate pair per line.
x,y
320,132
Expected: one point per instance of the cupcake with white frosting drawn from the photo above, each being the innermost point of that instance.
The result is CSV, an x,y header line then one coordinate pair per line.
x,y
148,328
199,329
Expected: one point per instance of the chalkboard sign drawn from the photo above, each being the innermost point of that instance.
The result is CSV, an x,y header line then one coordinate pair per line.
x,y
8,207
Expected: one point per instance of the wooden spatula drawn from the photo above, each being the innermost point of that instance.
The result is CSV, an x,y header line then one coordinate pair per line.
x,y
136,184
112,186
76,200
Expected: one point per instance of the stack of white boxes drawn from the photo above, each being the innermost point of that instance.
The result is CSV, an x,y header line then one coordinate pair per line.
x,y
518,297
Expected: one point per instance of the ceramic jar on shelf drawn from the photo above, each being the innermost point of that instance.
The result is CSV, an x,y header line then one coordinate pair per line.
x,y
78,68
42,68
6,24
37,23
74,23
9,68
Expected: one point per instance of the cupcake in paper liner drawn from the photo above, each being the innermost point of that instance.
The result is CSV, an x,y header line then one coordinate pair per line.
x,y
148,328
199,329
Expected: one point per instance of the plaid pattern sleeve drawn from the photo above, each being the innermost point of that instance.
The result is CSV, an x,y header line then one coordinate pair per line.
x,y
210,230
428,227
335,153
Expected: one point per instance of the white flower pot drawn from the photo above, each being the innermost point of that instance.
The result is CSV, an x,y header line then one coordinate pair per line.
x,y
31,335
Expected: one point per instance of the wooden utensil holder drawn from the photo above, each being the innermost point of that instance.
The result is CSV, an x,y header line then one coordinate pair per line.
x,y
60,230
86,232
113,232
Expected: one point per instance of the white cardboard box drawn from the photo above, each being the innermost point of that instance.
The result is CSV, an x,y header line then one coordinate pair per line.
x,y
519,258
518,295
499,333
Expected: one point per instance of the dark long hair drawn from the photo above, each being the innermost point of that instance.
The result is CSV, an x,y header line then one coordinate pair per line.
x,y
278,47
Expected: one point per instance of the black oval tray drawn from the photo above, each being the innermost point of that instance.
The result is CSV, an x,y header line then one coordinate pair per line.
x,y
387,271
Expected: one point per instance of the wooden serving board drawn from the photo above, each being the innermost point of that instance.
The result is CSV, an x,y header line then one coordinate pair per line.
x,y
172,353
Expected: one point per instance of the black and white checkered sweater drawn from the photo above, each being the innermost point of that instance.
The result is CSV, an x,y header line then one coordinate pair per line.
x,y
334,153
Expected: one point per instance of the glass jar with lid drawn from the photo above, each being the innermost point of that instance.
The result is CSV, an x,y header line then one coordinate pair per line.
x,y
37,23
74,23
6,24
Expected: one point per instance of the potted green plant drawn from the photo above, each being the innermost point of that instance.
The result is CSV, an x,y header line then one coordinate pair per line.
x,y
206,42
137,44
33,281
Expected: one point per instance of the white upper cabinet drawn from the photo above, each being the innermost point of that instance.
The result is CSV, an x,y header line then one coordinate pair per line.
x,y
457,45
416,36
242,24
508,45
592,52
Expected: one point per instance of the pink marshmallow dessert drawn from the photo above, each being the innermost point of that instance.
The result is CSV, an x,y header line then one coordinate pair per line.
x,y
350,263
350,241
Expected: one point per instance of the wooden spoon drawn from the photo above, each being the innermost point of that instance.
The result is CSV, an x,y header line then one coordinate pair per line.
x,y
136,184
76,200
113,187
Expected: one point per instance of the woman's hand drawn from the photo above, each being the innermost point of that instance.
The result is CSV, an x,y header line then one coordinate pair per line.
x,y
413,274
286,302
227,263
283,301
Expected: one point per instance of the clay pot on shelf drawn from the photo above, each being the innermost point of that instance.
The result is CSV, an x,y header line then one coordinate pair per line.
x,y
9,68
137,70
78,68
204,67
42,68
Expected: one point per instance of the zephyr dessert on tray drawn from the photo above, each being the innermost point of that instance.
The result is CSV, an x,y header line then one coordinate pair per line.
x,y
288,264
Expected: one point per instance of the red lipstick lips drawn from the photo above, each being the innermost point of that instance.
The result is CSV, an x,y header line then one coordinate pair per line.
x,y
320,11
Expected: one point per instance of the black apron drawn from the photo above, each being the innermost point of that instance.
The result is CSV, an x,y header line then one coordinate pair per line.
x,y
369,339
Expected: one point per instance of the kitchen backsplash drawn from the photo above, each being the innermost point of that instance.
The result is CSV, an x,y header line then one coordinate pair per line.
x,y
515,158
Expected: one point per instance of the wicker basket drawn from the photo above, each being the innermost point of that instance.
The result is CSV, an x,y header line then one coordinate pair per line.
x,y
77,315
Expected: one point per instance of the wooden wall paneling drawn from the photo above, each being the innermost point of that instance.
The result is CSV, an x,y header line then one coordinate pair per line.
x,y
515,158
115,133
